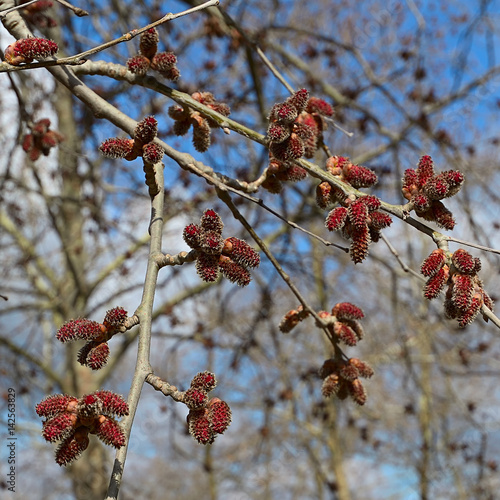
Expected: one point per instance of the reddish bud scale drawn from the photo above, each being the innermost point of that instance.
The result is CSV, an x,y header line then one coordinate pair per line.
x,y
84,352
323,195
478,265
28,143
304,132
364,369
295,147
34,154
292,318
48,140
311,145
455,179
345,333
487,300
294,173
310,121
372,202
290,149
410,181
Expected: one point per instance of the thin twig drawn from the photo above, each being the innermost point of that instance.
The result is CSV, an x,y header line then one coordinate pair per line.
x,y
224,196
488,313
3,13
472,245
165,388
220,185
163,260
273,68
81,57
394,252
144,314
79,12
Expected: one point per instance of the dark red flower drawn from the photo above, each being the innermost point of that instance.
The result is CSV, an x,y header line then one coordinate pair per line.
x,y
71,420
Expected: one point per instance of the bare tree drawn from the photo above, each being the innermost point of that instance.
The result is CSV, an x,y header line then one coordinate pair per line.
x,y
260,197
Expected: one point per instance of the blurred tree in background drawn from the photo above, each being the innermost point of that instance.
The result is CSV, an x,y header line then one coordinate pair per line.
x,y
405,79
